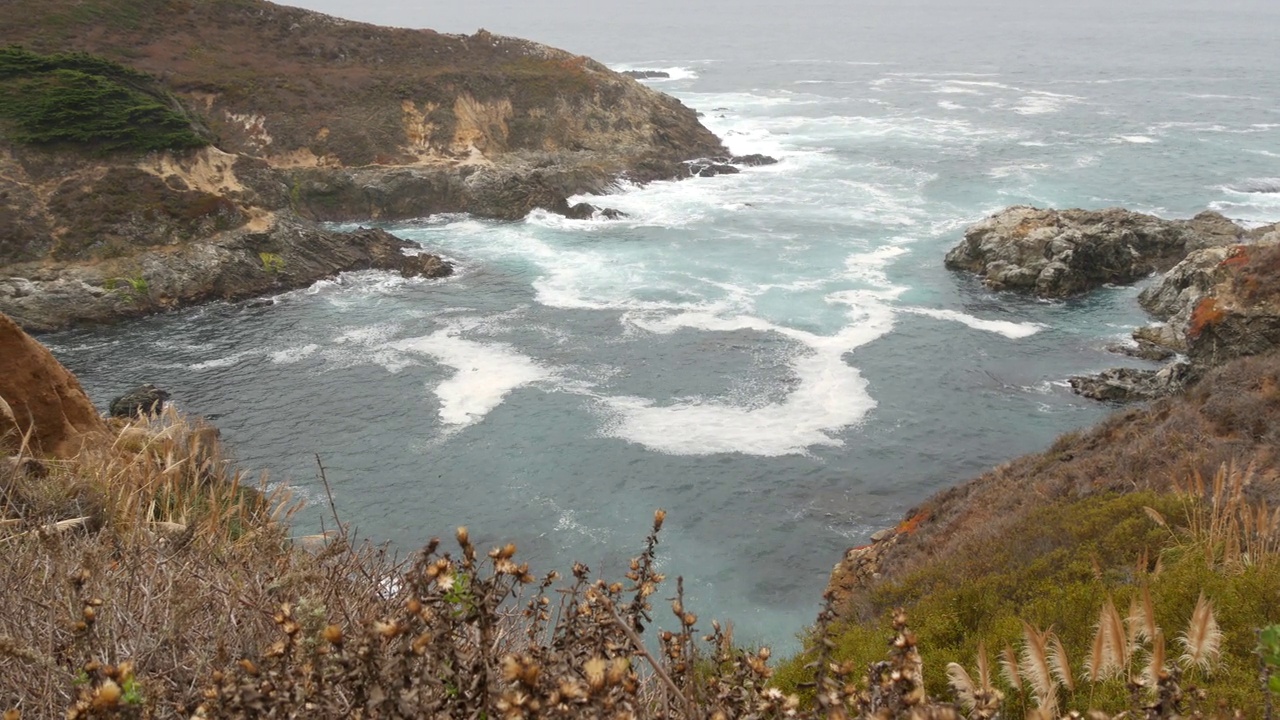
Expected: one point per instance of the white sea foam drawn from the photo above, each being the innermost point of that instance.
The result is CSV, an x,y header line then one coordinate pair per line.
x,y
1137,139
1021,171
829,394
948,105
1012,330
1037,104
485,373
288,356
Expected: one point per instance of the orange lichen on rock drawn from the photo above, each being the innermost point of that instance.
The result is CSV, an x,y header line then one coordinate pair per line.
x,y
42,401
1206,314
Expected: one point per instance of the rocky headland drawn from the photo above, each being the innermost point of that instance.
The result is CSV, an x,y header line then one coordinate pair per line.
x,y
1214,300
1216,404
266,120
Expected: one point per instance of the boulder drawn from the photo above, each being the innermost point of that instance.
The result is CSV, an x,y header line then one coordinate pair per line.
x,y
584,211
753,160
425,265
40,399
1061,253
1144,349
1121,385
141,401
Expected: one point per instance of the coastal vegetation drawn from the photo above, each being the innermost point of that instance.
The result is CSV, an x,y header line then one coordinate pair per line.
x,y
1097,592
85,99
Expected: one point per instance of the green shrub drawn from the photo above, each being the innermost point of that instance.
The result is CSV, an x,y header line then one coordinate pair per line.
x,y
80,98
1055,569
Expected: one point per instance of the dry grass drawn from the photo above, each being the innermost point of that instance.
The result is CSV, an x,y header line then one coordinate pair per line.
x,y
144,579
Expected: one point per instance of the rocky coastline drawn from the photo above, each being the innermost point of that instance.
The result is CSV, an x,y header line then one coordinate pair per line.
x,y
374,125
1206,312
1217,312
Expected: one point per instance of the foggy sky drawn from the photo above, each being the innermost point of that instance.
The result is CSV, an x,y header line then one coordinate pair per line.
x,y
998,30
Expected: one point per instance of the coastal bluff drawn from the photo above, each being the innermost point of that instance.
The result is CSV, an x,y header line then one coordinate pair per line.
x,y
264,121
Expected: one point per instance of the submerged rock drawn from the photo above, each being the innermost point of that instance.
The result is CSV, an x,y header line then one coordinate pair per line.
x,y
710,167
585,211
646,74
139,402
1060,253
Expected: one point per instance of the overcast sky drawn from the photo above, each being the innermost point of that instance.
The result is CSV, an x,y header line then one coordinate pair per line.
x,y
746,30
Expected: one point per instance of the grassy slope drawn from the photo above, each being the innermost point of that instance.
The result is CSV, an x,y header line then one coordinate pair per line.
x,y
332,86
1047,537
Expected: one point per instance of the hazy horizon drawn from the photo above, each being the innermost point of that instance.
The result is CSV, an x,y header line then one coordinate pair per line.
x,y
984,33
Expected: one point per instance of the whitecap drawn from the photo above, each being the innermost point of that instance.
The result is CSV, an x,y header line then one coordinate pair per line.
x,y
1039,105
1137,139
1256,186
288,356
948,105
1012,330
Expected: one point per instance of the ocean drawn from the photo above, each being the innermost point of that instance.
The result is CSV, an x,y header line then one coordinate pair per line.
x,y
777,358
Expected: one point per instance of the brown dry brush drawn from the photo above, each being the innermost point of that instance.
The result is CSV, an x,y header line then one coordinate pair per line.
x,y
143,580
181,595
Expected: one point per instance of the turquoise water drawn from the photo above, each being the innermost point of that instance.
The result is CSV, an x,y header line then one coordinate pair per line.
x,y
776,357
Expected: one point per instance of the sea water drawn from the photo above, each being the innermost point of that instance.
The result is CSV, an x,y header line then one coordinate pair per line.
x,y
777,357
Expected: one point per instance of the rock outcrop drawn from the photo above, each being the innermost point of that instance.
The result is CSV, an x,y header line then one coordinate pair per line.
x,y
139,402
42,406
1061,253
233,265
1120,385
1219,303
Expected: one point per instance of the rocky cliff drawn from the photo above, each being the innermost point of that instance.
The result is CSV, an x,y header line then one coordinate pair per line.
x,y
318,96
261,120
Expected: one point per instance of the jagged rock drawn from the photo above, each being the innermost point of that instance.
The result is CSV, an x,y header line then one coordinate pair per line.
x,y
1218,303
710,167
236,266
646,74
39,399
1144,349
585,211
1132,384
1056,253
1186,283
753,160
1161,335
425,265
139,402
